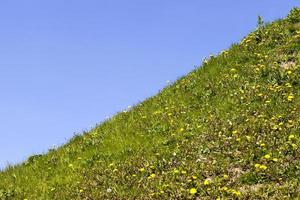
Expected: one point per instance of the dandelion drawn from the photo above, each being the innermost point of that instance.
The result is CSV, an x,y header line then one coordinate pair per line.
x,y
263,167
237,193
225,176
290,97
152,176
260,167
193,191
206,182
288,85
291,137
142,170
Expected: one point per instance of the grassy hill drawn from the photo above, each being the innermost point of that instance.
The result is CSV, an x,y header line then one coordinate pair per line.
x,y
228,130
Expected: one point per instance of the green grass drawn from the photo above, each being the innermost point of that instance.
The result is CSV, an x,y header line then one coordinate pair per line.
x,y
228,130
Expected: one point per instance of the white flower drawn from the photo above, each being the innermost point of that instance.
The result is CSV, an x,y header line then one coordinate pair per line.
x,y
109,190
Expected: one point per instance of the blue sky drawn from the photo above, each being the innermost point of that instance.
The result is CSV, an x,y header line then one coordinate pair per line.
x,y
65,65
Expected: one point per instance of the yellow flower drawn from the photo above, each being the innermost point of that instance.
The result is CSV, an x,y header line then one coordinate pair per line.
x,y
263,167
290,97
152,176
194,177
291,137
237,193
275,159
81,190
262,144
206,182
288,85
142,170
193,191
260,167
267,156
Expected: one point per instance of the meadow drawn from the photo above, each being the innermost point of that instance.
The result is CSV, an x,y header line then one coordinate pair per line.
x,y
230,129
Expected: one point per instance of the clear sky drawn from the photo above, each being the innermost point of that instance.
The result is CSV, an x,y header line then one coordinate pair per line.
x,y
65,64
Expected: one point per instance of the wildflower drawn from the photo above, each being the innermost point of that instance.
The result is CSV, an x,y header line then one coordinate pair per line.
x,y
290,97
81,190
183,172
152,176
263,167
291,137
275,159
225,176
206,182
193,191
237,193
142,170
260,167
194,177
267,156
109,190
288,85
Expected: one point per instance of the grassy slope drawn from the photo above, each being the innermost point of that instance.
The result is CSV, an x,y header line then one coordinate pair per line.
x,y
227,130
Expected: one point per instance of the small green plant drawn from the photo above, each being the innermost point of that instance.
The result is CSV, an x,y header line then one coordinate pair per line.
x,y
260,22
